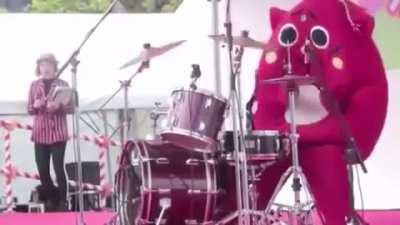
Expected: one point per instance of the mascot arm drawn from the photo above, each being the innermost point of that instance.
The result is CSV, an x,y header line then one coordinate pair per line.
x,y
364,116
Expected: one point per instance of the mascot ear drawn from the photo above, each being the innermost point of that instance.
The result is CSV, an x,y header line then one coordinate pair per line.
x,y
275,16
365,21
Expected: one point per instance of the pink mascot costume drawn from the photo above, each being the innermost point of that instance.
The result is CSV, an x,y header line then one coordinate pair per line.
x,y
339,34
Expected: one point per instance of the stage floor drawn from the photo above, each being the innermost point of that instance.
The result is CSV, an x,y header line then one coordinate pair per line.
x,y
373,217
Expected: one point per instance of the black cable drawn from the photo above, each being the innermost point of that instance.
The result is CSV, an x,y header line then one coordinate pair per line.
x,y
92,121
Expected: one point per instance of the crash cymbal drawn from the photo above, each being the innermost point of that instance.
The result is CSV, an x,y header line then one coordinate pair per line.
x,y
244,40
151,52
292,79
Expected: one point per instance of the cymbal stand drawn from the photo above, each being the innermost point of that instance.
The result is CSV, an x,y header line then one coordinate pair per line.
x,y
125,87
242,192
298,209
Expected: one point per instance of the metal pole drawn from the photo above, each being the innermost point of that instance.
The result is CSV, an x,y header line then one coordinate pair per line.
x,y
217,52
109,169
126,85
76,140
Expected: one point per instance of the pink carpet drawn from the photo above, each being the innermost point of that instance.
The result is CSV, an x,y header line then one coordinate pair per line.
x,y
383,217
70,218
373,217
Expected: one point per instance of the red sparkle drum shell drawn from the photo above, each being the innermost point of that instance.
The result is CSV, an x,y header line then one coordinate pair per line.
x,y
194,119
185,179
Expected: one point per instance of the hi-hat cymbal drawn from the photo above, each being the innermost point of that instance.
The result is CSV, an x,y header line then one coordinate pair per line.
x,y
292,79
151,52
243,41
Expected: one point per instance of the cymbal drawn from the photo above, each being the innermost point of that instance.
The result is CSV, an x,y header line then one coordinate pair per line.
x,y
243,41
294,79
151,52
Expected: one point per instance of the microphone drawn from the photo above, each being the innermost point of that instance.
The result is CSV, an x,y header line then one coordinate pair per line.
x,y
307,52
195,75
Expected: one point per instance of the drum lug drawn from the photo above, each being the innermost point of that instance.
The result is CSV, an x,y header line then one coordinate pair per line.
x,y
208,103
211,161
192,162
192,222
162,161
175,120
194,191
164,191
202,126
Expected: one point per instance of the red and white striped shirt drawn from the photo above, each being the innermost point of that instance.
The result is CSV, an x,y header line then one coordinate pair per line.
x,y
48,127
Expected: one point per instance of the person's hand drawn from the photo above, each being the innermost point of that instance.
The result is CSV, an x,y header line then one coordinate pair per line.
x,y
38,103
52,106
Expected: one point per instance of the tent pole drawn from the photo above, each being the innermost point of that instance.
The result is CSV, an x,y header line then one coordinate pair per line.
x,y
109,169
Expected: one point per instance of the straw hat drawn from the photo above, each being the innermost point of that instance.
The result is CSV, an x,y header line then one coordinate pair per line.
x,y
49,57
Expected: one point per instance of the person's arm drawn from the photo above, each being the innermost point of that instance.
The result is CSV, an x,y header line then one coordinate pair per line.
x,y
31,109
34,104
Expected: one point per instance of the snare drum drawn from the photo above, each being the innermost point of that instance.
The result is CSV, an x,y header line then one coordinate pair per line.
x,y
194,119
263,145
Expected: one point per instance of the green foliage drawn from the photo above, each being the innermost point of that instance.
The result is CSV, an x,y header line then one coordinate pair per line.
x,y
61,6
161,5
98,6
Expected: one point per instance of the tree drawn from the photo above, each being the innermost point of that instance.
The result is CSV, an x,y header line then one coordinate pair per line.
x,y
98,6
62,6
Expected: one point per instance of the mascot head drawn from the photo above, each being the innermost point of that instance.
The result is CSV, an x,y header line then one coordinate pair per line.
x,y
339,33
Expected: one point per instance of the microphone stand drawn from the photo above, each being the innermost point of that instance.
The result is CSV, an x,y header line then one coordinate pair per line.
x,y
352,154
74,62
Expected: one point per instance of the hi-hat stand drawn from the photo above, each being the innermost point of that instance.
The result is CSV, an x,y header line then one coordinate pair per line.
x,y
241,172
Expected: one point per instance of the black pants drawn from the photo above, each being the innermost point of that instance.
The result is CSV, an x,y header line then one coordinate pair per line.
x,y
43,153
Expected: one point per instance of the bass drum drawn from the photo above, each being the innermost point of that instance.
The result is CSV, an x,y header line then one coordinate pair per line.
x,y
179,186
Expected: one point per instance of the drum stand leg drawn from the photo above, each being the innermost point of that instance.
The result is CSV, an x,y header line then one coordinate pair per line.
x,y
299,212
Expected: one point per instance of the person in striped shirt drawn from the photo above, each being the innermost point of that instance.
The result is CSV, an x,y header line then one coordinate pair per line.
x,y
50,129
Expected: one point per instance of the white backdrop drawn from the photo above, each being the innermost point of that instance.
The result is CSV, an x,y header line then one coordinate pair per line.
x,y
120,37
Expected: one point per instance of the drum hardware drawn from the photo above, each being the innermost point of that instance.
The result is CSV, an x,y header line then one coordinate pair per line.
x,y
243,41
165,203
143,58
192,162
155,116
162,161
243,212
197,191
299,180
157,190
196,73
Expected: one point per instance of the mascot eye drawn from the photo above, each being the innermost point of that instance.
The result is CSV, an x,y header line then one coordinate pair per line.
x,y
288,35
320,37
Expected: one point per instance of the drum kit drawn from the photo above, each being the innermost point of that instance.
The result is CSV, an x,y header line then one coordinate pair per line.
x,y
187,174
